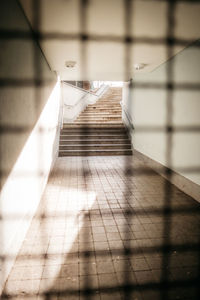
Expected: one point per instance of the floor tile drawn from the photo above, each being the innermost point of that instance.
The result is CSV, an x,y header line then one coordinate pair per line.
x,y
108,236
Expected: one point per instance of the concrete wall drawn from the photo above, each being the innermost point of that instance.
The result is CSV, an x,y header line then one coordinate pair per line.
x,y
29,120
147,104
76,99
105,19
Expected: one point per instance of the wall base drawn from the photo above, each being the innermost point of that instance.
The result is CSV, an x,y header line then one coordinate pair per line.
x,y
184,184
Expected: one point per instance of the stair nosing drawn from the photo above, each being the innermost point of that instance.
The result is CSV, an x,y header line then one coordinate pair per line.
x,y
97,150
92,140
98,130
95,145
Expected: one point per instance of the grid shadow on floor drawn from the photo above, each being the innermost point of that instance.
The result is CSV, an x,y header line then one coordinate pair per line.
x,y
104,236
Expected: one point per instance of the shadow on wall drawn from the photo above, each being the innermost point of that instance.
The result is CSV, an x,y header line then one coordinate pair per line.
x,y
165,110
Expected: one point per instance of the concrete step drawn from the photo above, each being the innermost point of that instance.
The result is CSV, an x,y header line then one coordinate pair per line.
x,y
93,125
100,114
105,102
98,122
110,110
94,115
95,152
95,119
99,133
95,147
104,107
102,110
93,141
109,104
98,130
86,126
99,136
91,128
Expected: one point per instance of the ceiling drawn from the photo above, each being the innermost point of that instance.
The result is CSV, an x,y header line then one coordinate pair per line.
x,y
105,56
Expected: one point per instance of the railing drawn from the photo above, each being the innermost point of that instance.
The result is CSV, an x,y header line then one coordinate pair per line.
x,y
78,88
128,117
79,99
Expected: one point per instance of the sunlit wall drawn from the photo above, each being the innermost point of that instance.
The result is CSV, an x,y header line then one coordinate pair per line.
x,y
30,117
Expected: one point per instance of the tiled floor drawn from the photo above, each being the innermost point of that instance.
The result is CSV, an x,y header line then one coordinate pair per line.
x,y
109,228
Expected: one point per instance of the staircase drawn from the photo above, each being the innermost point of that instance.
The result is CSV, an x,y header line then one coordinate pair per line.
x,y
98,130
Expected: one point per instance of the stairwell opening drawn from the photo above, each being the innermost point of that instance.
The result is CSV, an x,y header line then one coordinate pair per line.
x,y
98,129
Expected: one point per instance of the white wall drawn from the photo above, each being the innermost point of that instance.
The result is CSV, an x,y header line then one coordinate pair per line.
x,y
76,99
30,121
148,109
105,19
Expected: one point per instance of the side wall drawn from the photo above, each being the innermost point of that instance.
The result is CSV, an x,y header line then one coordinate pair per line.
x,y
76,99
29,120
147,104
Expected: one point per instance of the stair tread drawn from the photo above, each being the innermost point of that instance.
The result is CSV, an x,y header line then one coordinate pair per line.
x,y
96,126
101,115
106,140
90,130
75,125
96,150
90,137
98,130
94,118
95,145
91,122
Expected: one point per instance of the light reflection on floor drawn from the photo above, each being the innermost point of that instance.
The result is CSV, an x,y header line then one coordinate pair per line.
x,y
101,234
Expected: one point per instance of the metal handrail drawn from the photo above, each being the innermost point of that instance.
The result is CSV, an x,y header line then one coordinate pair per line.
x,y
127,115
86,93
78,88
77,102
